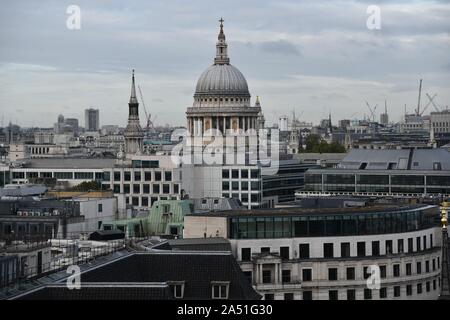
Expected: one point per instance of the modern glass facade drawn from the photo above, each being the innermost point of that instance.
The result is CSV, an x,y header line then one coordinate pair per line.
x,y
371,182
354,224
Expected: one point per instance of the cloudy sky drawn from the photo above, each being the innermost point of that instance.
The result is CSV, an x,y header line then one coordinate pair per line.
x,y
312,56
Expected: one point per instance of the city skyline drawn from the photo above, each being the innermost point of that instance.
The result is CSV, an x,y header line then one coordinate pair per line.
x,y
314,57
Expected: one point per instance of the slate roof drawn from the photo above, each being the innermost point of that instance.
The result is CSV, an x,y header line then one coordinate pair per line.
x,y
199,244
141,269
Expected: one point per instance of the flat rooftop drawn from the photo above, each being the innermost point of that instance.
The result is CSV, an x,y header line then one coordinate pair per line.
x,y
69,163
294,211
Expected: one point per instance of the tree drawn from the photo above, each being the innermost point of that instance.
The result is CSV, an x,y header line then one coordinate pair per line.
x,y
315,143
87,186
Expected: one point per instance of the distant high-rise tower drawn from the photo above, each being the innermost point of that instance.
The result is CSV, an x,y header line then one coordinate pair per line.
x,y
384,117
91,119
134,136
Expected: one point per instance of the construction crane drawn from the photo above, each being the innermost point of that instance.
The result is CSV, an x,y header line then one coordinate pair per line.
x,y
432,102
149,122
372,111
418,100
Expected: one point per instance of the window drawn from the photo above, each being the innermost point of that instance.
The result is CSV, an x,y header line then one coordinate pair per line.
x,y
434,264
409,290
126,188
304,250
434,284
427,266
267,276
307,295
375,248
396,270
246,254
388,246
418,244
345,249
244,174
225,173
127,175
307,274
269,296
100,207
220,290
286,276
419,288
288,296
148,176
157,175
225,185
116,176
428,286
419,267
135,201
410,245
367,294
166,188
424,242
167,175
146,188
397,291
333,295
350,273
408,269
144,202
136,188
137,176
400,247
366,273
328,250
382,272
332,274
177,289
383,293
155,188
254,174
235,174
361,249
235,185
284,253
351,294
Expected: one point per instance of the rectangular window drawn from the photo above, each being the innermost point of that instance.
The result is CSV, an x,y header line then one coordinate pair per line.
x,y
400,247
350,273
366,273
409,290
225,173
127,175
367,294
166,188
396,270
307,295
244,174
246,254
136,188
397,291
284,253
288,296
427,266
144,201
332,274
428,286
116,176
419,288
419,267
410,245
235,174
167,175
286,276
333,295
375,248
267,276
137,176
345,249
220,291
351,294
100,207
388,246
157,175
304,250
148,176
146,188
383,293
382,272
328,250
408,269
307,274
361,249
155,188
418,244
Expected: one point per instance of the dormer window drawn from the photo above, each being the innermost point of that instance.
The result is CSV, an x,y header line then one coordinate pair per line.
x,y
220,289
177,288
437,166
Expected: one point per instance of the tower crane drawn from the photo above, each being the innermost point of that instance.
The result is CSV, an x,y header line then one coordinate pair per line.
x,y
372,111
149,122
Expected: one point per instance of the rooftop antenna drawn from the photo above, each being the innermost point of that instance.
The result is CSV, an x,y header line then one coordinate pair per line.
x,y
418,100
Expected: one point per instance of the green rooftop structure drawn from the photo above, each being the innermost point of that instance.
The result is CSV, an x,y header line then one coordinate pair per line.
x,y
166,217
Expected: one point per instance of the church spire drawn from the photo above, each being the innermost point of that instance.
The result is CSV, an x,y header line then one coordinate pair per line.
x,y
133,98
221,47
